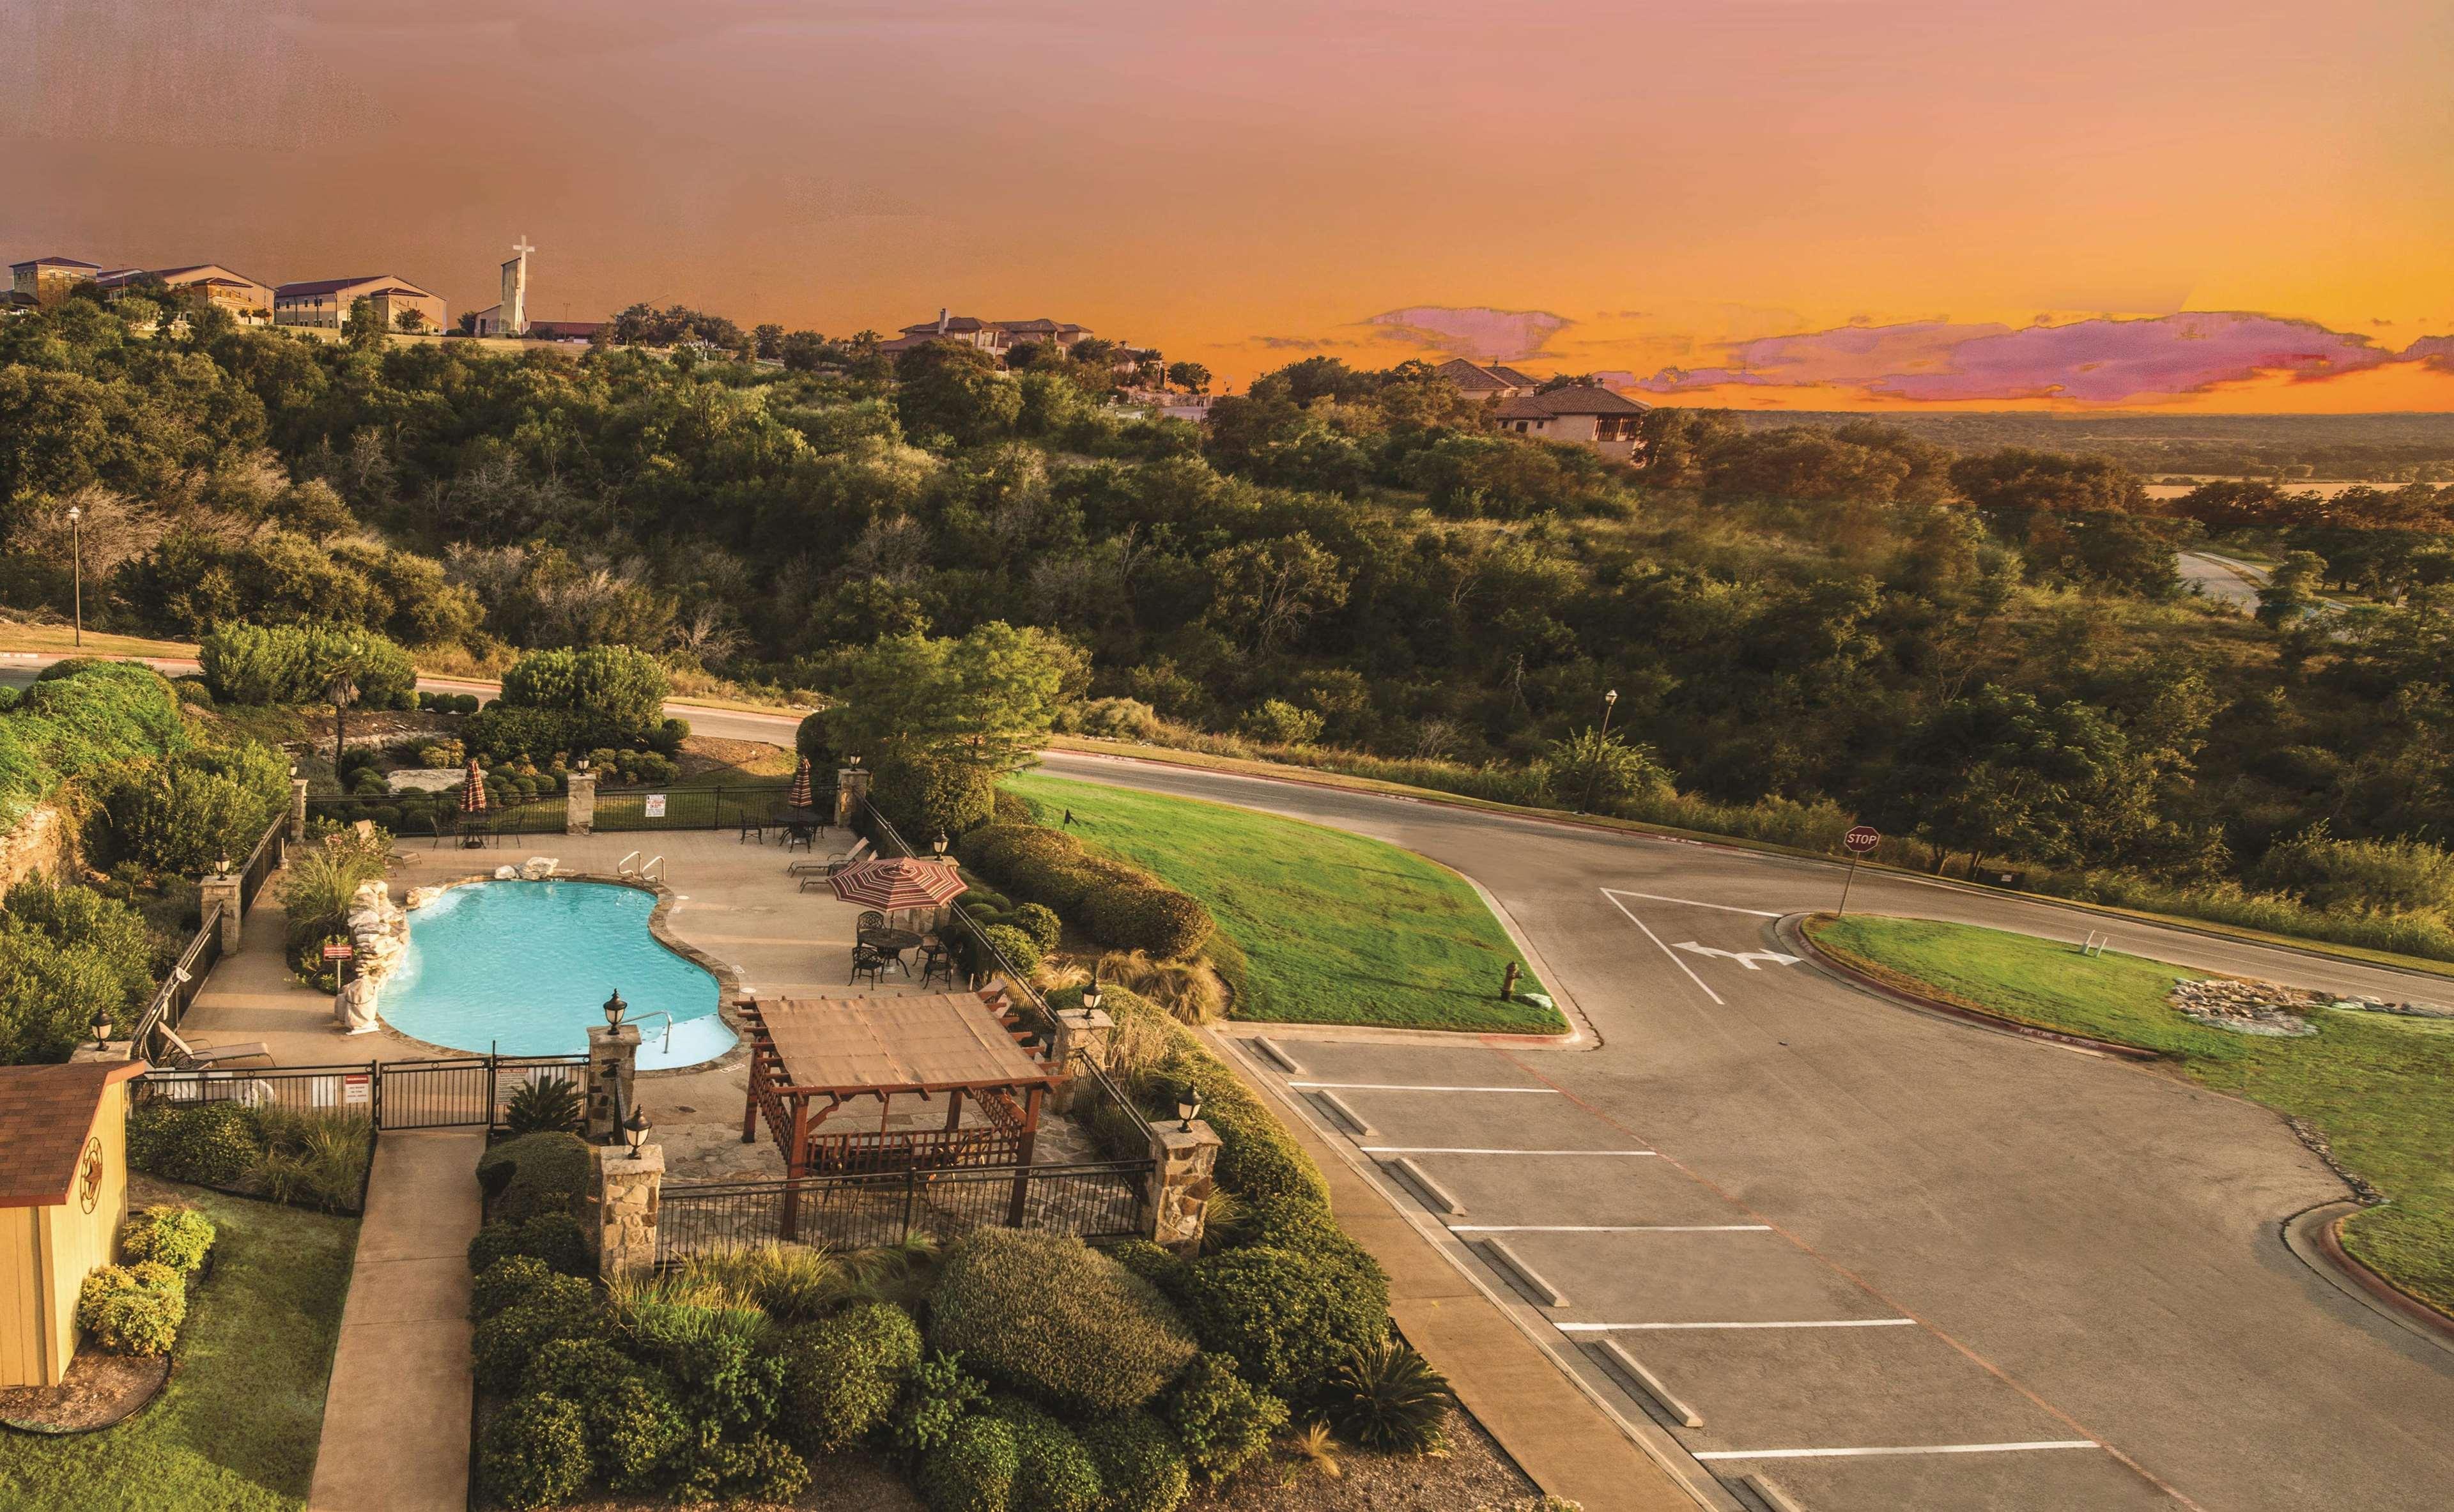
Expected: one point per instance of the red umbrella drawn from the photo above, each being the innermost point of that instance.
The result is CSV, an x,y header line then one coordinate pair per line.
x,y
801,785
473,789
898,884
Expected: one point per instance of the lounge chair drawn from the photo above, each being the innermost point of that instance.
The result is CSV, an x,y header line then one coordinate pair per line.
x,y
186,1056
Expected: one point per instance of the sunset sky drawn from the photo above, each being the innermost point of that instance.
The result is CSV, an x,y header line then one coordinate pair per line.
x,y
2236,205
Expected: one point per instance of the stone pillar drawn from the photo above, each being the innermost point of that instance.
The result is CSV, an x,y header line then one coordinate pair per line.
x,y
114,1051
579,809
612,1064
1180,1183
297,809
1078,1031
852,791
622,1206
222,888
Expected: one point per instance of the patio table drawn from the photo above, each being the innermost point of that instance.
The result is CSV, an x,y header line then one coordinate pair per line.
x,y
892,943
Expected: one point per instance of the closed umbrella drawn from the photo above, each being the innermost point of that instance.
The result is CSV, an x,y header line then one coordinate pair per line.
x,y
801,797
893,885
473,791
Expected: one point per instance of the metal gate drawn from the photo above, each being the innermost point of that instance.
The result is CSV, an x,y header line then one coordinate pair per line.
x,y
462,1094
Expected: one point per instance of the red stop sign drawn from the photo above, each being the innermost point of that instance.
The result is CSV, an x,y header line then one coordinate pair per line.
x,y
1862,839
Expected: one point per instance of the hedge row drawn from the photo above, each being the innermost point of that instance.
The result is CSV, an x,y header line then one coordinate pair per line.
x,y
1119,904
101,713
502,733
290,664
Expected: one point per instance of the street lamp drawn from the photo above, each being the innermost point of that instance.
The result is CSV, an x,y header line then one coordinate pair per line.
x,y
937,846
615,1009
76,566
635,1131
1593,769
101,1027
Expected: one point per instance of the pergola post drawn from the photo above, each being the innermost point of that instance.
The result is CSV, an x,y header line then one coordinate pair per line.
x,y
749,1104
796,1167
1023,1160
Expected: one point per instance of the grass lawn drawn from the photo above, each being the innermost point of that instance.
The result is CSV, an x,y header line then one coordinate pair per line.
x,y
238,1427
2379,1088
1336,928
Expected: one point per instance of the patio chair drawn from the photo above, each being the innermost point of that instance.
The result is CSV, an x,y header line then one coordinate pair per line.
x,y
865,961
442,823
754,824
936,960
870,919
187,1057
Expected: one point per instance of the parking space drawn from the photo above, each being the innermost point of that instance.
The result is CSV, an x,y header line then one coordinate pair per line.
x,y
1499,1193
1988,1479
1650,1281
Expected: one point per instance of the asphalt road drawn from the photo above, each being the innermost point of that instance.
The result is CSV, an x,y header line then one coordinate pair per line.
x,y
2084,1251
2222,578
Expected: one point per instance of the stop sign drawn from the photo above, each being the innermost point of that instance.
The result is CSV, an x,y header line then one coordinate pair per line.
x,y
1862,839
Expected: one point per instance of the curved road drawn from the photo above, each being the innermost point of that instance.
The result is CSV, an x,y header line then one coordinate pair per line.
x,y
2102,1239
2221,578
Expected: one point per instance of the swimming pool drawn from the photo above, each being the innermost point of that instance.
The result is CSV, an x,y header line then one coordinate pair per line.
x,y
525,968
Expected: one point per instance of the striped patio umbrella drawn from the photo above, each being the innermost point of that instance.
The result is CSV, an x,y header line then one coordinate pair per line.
x,y
473,789
894,885
801,799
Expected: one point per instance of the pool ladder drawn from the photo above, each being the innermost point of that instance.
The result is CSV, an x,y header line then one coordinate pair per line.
x,y
625,868
665,1045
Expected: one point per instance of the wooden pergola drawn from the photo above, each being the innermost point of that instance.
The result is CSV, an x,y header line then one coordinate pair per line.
x,y
811,1057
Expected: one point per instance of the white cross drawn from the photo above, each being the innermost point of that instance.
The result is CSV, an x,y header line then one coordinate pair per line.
x,y
522,247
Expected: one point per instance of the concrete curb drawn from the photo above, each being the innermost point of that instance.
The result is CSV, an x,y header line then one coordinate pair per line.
x,y
1799,940
2316,1237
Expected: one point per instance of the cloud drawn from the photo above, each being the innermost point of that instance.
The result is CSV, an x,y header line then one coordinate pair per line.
x,y
1298,343
2434,352
1475,331
2102,361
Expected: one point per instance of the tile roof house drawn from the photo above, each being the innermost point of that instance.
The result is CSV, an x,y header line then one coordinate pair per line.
x,y
1479,380
988,335
1578,416
324,303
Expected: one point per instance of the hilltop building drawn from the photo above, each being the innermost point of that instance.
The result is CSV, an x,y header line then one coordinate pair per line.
x,y
1577,415
988,335
1477,381
46,278
243,297
325,303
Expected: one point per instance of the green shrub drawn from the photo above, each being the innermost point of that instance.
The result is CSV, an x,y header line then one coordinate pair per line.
x,y
1387,1397
549,1174
841,1377
1052,1471
1119,905
134,1309
172,1234
560,1307
626,686
534,1453
1020,951
209,1143
65,954
314,1160
503,734
922,796
717,1357
190,809
319,880
758,1469
574,1369
972,1470
553,1237
513,1278
939,1393
788,1283
1287,1319
2403,875
1220,1419
636,1430
1040,923
290,664
1159,919
1141,1465
1045,1315
60,728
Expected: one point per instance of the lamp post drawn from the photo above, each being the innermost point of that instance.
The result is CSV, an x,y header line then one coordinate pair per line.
x,y
937,846
1188,1107
101,1027
615,1009
76,566
1091,992
635,1131
1594,770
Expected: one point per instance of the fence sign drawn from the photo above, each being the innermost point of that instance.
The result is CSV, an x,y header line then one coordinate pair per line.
x,y
340,950
357,1089
653,806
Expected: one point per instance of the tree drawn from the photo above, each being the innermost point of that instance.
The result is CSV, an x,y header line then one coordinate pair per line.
x,y
2291,590
954,389
1190,376
1998,773
802,350
1267,591
411,319
767,340
985,700
363,326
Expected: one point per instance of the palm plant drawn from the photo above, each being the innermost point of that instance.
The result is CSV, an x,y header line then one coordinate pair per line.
x,y
548,1105
1387,1397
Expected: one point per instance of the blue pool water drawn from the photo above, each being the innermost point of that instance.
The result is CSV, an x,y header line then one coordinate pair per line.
x,y
525,968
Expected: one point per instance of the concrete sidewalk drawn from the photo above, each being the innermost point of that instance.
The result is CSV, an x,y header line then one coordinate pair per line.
x,y
396,1414
1555,1432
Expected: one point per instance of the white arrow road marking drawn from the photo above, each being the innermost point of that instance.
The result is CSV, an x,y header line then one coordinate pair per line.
x,y
1745,957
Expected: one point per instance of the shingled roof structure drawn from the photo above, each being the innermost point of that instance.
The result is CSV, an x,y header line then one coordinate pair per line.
x,y
45,1113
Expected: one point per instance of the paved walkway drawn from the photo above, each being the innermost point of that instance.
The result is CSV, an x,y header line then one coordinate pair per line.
x,y
1556,1432
396,1414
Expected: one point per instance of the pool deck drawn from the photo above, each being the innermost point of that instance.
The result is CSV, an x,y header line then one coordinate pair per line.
x,y
733,901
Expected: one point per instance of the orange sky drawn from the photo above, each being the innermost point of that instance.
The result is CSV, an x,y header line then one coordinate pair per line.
x,y
1243,182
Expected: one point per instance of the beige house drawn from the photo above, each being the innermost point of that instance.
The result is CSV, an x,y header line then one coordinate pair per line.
x,y
1477,381
988,335
325,302
62,1193
48,279
242,297
1577,415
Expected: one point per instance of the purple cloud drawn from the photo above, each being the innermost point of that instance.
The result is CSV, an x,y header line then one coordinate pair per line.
x,y
2090,361
2437,353
1475,331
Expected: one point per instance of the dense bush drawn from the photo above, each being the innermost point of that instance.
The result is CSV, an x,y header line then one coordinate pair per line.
x,y
972,1470
636,1430
500,733
553,1237
1118,904
920,797
937,1396
1040,923
209,1143
534,1174
190,810
108,712
67,953
1220,1420
1141,1465
626,687
292,664
1052,1471
511,1279
758,1469
171,1234
134,1309
2412,875
534,1453
548,1105
1020,951
841,1377
718,1359
1045,1315
559,1307
574,1369
1287,1319
1387,1397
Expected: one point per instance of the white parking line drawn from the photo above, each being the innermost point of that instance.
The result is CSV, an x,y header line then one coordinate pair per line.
x,y
1665,950
1610,1228
1437,1149
1396,1087
1818,1323
1658,898
1914,1449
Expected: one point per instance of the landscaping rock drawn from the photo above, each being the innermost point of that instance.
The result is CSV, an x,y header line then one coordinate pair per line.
x,y
2244,1007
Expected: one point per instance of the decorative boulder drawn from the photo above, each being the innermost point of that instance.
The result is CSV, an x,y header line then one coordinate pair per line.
x,y
507,874
538,868
354,1009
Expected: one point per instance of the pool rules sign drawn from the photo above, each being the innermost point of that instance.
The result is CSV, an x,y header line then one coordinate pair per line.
x,y
653,806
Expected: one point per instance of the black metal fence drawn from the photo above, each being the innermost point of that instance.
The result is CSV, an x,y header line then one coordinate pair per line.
x,y
468,1091
676,806
1106,1199
262,863
168,1007
702,806
344,1091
